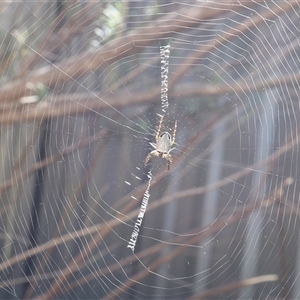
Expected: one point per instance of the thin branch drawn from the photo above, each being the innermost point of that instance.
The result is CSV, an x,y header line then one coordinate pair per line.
x,y
131,43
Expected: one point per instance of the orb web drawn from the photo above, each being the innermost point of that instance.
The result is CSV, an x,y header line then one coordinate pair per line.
x,y
82,89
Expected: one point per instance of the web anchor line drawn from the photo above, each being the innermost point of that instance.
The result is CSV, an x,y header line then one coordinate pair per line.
x,y
164,58
139,220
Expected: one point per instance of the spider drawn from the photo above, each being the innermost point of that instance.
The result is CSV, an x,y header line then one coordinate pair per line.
x,y
163,145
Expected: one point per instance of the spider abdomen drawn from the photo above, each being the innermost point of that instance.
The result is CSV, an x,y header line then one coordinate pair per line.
x,y
163,144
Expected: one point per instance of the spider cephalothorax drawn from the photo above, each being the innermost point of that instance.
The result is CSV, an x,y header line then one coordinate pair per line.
x,y
163,145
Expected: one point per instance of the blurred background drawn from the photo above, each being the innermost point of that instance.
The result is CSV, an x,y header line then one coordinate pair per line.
x,y
80,103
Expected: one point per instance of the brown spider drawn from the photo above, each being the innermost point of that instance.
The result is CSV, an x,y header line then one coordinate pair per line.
x,y
163,145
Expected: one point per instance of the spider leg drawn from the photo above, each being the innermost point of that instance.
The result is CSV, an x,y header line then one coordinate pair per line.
x,y
159,128
174,133
149,156
168,158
